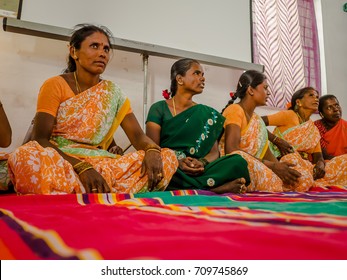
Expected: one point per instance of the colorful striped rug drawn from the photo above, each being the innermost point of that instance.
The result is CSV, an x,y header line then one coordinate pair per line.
x,y
176,225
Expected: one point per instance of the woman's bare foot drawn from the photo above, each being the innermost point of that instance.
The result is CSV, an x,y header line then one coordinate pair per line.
x,y
236,186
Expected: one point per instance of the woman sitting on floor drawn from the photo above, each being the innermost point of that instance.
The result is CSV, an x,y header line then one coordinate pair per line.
x,y
192,130
296,127
246,134
77,115
332,128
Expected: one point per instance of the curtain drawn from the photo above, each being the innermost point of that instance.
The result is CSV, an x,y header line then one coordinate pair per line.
x,y
285,42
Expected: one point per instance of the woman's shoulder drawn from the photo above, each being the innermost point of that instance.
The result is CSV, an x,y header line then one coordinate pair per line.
x,y
283,113
232,108
54,84
159,104
59,79
208,108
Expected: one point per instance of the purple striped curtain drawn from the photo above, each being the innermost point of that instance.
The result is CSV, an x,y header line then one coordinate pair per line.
x,y
285,42
309,37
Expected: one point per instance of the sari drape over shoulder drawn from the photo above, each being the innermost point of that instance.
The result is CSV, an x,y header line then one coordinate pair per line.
x,y
333,140
253,146
85,125
305,138
193,133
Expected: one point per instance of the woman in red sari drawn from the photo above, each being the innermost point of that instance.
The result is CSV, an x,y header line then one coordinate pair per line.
x,y
332,128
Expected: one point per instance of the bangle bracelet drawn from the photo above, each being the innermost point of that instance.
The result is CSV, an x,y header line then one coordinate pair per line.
x,y
85,169
82,166
203,161
152,147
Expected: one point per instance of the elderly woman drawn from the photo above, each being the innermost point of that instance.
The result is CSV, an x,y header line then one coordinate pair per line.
x,y
332,128
296,127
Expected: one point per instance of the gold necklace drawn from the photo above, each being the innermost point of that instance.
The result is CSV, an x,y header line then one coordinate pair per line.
x,y
174,107
76,83
300,118
248,117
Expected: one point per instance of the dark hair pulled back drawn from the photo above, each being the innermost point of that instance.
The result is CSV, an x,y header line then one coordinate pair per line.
x,y
251,78
180,67
80,33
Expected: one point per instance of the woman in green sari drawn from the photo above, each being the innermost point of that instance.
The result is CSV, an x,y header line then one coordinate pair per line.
x,y
192,131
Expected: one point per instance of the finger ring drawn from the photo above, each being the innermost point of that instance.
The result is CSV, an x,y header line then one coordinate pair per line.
x,y
160,175
243,189
94,190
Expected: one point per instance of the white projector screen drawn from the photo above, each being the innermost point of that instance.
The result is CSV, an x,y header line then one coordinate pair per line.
x,y
219,28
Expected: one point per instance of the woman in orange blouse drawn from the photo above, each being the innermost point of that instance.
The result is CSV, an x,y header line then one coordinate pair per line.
x,y
77,115
296,127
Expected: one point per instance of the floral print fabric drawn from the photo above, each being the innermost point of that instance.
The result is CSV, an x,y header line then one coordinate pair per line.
x,y
85,127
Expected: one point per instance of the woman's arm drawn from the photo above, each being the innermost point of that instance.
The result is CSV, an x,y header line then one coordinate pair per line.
x,y
153,131
319,168
282,169
213,154
152,162
232,138
284,147
5,129
115,149
42,131
188,165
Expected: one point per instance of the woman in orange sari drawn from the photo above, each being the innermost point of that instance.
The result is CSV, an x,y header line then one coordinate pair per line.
x,y
332,128
296,127
246,135
77,115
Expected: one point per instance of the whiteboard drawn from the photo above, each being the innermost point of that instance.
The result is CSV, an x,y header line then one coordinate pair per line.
x,y
219,27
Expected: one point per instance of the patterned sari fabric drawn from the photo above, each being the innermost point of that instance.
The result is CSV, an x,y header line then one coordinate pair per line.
x,y
335,139
84,129
193,133
304,138
254,143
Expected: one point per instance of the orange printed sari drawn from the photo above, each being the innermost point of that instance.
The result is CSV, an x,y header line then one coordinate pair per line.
x,y
305,138
85,127
253,145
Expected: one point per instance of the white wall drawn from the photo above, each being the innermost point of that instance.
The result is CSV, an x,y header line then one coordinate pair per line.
x,y
334,21
27,61
181,24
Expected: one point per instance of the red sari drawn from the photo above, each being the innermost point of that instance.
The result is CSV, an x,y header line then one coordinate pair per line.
x,y
334,140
